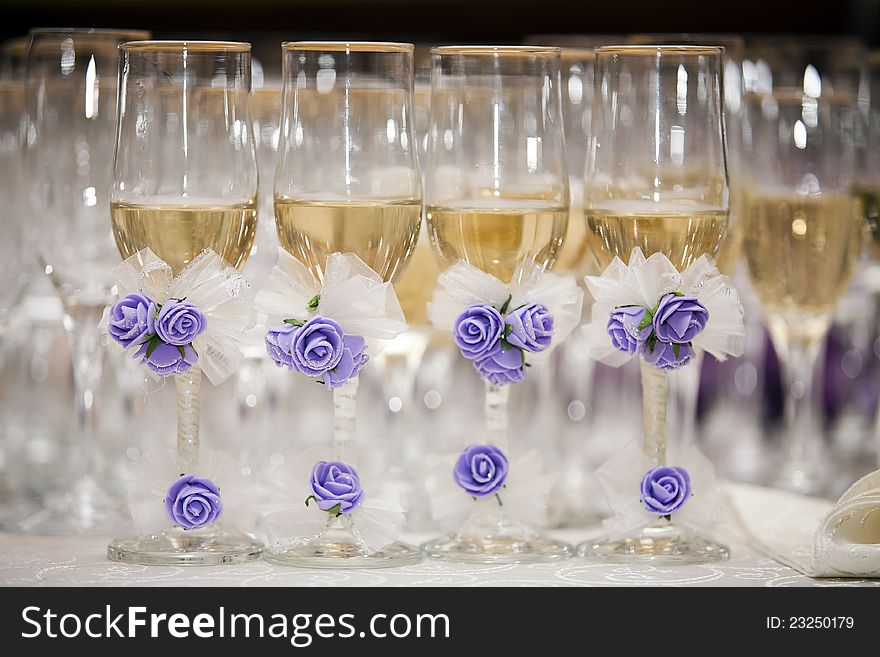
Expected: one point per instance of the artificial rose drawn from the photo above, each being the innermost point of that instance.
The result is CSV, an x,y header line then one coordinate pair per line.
x,y
179,322
531,327
353,359
623,327
679,318
167,359
333,484
279,344
662,355
478,330
317,346
132,319
665,489
481,470
193,502
503,364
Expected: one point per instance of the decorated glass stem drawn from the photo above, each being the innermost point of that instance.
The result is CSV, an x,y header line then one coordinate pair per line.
x,y
654,406
344,414
184,230
497,415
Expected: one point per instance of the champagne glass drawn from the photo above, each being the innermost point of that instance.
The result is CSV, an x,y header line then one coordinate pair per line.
x,y
801,243
496,193
347,181
657,179
70,100
185,180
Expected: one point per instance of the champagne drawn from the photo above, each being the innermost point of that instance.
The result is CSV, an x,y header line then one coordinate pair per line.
x,y
382,233
800,252
683,233
868,197
575,254
496,235
178,232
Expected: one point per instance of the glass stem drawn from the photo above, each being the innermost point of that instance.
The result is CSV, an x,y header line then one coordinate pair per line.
x,y
654,386
87,356
497,398
801,445
188,416
344,413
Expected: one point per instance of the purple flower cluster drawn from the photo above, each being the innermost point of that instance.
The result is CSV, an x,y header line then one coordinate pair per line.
x,y
661,336
317,348
497,341
163,333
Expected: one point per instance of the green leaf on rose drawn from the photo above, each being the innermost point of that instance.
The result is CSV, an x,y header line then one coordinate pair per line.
x,y
647,319
154,342
294,322
651,342
336,510
507,330
506,305
310,498
313,303
676,348
182,350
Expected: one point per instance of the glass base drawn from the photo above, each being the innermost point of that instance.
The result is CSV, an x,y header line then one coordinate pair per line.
x,y
337,548
492,535
211,546
664,543
84,510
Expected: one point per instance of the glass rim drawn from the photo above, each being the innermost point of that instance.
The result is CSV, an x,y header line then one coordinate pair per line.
x,y
91,31
348,46
495,51
686,38
646,49
183,46
577,53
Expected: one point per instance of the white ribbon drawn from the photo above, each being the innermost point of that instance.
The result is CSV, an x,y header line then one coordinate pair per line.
x,y
526,492
621,476
286,521
644,282
148,479
353,295
219,291
463,284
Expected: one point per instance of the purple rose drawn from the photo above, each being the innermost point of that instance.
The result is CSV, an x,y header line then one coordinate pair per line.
x,y
531,327
502,365
279,344
317,346
132,319
179,322
679,318
477,330
167,359
481,470
623,327
334,483
353,359
662,355
665,489
193,502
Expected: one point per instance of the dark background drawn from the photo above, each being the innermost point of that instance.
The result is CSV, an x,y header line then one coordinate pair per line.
x,y
268,22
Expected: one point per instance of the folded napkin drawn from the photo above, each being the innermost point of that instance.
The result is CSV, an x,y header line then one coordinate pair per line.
x,y
811,535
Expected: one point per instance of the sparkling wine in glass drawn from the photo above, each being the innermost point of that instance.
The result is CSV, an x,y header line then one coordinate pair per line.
x,y
496,194
657,179
185,180
70,114
802,240
347,181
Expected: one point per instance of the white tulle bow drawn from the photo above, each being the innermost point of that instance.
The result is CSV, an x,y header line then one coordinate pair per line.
x,y
526,492
148,479
353,295
621,476
644,282
219,291
463,284
286,521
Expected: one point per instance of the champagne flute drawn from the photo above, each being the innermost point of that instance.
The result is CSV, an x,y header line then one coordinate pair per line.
x,y
801,243
347,181
496,193
185,180
657,179
70,100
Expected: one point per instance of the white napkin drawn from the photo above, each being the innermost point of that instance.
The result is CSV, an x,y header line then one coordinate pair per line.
x,y
811,535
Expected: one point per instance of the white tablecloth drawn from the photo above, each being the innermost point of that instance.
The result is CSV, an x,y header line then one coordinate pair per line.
x,y
42,561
